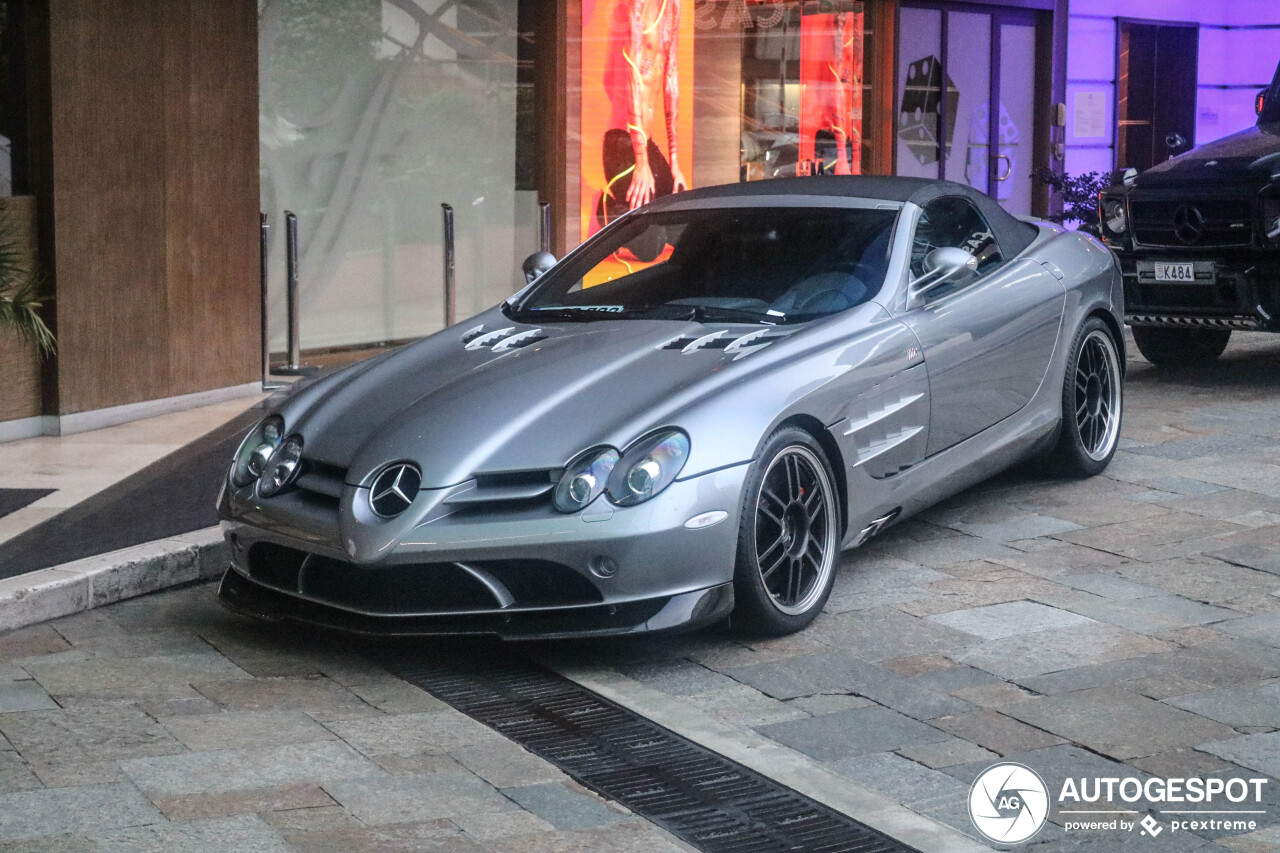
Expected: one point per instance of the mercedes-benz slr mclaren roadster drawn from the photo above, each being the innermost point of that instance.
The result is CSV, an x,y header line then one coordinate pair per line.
x,y
687,418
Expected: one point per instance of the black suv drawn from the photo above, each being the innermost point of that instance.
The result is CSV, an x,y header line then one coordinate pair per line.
x,y
1198,241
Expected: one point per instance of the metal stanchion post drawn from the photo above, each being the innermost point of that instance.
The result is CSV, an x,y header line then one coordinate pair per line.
x,y
544,226
450,305
264,230
295,366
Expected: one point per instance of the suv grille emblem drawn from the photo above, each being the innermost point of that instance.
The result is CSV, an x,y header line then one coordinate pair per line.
x,y
1188,224
394,490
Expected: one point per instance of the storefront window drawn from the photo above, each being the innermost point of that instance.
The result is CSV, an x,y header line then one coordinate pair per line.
x,y
372,114
802,90
684,93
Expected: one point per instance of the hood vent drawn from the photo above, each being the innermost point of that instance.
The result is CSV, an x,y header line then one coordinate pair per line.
x,y
740,345
500,340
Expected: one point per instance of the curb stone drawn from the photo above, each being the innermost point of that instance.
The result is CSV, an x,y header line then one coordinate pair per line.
x,y
106,578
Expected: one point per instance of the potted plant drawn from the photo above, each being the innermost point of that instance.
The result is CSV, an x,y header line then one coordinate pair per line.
x,y
1079,194
21,289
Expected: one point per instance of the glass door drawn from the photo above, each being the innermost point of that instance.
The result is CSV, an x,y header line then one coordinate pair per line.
x,y
953,64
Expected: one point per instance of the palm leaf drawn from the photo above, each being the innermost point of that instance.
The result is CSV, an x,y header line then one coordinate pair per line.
x,y
21,291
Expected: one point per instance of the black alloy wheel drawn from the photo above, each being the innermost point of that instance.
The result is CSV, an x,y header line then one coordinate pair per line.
x,y
1092,403
790,537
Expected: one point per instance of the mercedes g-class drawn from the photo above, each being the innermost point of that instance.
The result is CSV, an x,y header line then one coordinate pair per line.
x,y
1198,241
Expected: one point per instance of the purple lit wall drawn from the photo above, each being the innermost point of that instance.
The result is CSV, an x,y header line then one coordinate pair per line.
x,y
1239,49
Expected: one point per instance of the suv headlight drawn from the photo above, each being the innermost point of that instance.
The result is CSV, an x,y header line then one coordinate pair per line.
x,y
585,478
1114,218
256,451
648,467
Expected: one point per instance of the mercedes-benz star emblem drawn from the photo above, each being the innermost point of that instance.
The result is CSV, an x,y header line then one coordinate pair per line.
x,y
394,490
1188,224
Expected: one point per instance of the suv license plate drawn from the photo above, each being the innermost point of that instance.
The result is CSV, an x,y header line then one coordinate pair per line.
x,y
1175,271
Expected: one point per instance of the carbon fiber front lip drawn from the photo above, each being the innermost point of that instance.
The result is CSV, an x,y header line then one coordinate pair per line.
x,y
687,610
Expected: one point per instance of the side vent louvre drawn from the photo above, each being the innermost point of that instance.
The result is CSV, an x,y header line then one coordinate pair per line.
x,y
501,340
740,346
522,339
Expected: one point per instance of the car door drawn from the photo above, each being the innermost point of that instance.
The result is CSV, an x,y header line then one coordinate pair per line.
x,y
987,339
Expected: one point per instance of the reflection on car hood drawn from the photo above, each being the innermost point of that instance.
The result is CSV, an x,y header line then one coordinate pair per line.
x,y
1224,160
460,404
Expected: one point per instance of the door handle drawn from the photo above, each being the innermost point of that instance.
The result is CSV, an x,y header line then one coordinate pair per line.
x,y
1008,167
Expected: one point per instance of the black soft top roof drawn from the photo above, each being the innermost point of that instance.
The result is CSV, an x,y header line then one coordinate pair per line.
x,y
1012,234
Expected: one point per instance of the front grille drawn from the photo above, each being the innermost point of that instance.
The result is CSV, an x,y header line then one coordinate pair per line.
x,y
506,489
1226,222
321,482
418,588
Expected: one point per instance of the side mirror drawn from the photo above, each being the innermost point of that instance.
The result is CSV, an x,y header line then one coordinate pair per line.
x,y
537,264
942,266
1260,101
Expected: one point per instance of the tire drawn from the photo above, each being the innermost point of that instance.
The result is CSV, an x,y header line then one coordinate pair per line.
x,y
1092,403
1175,348
789,538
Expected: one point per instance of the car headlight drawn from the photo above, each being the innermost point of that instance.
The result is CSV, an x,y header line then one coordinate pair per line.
x,y
1113,216
585,478
648,467
256,450
282,468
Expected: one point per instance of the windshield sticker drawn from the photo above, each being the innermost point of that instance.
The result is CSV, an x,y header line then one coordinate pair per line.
x,y
608,309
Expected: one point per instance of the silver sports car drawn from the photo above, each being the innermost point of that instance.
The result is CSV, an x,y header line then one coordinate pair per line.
x,y
687,418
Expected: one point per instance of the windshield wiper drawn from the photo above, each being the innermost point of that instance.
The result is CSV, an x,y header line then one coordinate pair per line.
x,y
705,313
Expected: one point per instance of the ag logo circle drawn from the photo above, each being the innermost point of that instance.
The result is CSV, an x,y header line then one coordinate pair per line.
x,y
1008,803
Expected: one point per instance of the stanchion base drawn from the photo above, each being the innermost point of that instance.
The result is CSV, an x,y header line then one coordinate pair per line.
x,y
294,370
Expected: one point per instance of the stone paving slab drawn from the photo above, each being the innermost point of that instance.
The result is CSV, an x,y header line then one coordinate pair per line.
x,y
243,769
58,811
1115,722
831,737
243,834
999,621
240,729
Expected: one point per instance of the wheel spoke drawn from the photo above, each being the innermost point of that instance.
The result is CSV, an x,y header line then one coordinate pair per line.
x,y
764,575
781,504
767,551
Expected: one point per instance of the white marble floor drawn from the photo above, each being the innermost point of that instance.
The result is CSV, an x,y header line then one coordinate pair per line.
x,y
81,465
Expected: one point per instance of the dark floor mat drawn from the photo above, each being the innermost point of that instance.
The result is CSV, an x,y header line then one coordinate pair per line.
x,y
173,495
12,500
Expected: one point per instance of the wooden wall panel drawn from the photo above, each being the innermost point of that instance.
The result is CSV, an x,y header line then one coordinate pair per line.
x,y
154,197
19,363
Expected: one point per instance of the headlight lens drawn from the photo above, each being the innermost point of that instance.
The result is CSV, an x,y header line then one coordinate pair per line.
x,y
1113,216
256,450
648,467
585,479
282,468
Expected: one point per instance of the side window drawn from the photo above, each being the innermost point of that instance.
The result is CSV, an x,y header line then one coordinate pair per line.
x,y
954,222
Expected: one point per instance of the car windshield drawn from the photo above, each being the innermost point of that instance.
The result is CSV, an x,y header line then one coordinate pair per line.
x,y
753,265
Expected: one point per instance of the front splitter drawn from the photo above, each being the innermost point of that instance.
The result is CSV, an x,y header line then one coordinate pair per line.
x,y
682,611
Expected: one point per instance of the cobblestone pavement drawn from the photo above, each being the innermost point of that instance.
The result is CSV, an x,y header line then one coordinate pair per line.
x,y
1126,625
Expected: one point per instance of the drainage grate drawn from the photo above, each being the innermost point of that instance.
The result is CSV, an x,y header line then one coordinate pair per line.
x,y
713,803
